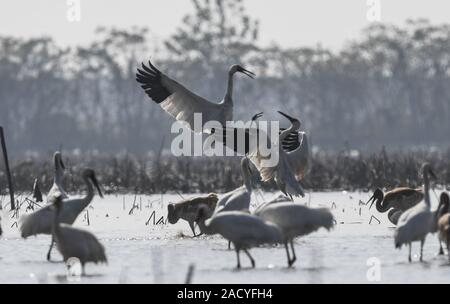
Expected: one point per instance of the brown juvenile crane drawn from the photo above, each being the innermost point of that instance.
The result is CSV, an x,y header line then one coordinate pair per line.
x,y
396,201
188,210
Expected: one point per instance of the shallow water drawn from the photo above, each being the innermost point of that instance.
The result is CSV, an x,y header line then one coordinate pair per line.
x,y
140,253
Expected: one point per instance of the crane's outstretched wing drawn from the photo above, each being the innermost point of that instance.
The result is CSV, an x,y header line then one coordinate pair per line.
x,y
175,99
38,222
298,155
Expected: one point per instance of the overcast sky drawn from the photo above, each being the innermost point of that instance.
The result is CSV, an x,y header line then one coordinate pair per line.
x,y
287,22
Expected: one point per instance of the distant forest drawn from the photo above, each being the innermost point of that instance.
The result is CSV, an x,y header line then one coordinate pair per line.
x,y
390,87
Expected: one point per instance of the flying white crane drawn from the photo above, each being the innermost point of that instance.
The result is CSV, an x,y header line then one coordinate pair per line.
x,y
293,154
297,153
396,201
75,243
57,187
242,229
283,173
296,220
181,103
415,223
41,221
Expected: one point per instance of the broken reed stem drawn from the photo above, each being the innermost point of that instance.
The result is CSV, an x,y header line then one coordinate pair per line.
x,y
374,218
8,172
133,207
190,274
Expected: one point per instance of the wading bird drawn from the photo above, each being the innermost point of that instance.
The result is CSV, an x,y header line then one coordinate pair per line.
x,y
188,210
243,230
415,223
283,172
57,187
295,220
238,199
297,153
396,201
293,156
181,103
443,224
75,243
41,221
278,199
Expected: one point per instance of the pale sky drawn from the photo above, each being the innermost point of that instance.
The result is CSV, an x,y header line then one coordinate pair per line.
x,y
286,22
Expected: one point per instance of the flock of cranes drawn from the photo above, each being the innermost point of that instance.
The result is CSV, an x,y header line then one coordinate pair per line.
x,y
278,221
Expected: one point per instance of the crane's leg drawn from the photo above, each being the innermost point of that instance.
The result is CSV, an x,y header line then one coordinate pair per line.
x,y
238,259
229,245
409,257
448,250
196,224
50,249
287,253
294,258
250,257
83,273
441,250
422,242
191,224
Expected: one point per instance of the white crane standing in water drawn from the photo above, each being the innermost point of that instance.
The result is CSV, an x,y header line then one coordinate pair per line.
x,y
75,243
243,230
295,220
181,103
41,221
57,187
415,223
238,199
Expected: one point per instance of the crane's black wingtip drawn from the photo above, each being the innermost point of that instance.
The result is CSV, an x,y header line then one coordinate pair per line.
x,y
150,80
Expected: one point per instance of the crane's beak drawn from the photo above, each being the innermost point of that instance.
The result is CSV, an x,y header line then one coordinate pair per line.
x,y
432,174
373,201
62,164
291,119
247,72
94,180
257,116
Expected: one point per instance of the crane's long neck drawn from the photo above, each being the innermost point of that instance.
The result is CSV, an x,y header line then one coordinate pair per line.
x,y
55,226
229,94
426,191
382,205
89,196
247,177
59,174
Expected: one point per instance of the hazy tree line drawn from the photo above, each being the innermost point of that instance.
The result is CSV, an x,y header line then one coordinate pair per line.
x,y
389,87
